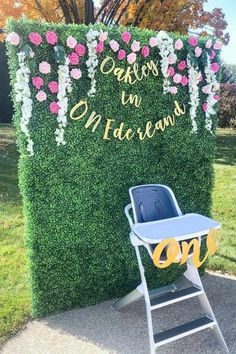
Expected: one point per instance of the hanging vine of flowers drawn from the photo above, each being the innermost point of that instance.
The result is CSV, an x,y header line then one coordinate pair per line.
x,y
193,78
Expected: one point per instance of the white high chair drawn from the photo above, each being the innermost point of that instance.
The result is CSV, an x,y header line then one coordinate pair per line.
x,y
157,216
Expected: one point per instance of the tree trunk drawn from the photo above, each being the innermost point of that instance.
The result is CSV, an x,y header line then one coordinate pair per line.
x,y
89,12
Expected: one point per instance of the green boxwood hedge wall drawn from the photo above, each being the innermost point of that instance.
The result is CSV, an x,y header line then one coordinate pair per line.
x,y
76,233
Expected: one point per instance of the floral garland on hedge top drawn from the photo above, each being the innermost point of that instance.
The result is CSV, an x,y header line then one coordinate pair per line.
x,y
23,95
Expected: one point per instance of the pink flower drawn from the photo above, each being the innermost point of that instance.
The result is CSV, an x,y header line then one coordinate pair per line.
x,y
73,58
53,86
54,107
126,37
145,51
177,78
206,89
193,41
100,47
80,49
172,58
198,52
208,44
114,45
71,42
135,46
182,65
204,107
131,58
215,67
103,36
51,37
76,74
200,77
153,41
41,96
173,90
179,44
216,97
184,80
44,67
171,71
37,81
121,54
13,38
218,45
35,38
212,56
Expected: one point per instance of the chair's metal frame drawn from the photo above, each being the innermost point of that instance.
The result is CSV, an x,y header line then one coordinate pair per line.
x,y
185,287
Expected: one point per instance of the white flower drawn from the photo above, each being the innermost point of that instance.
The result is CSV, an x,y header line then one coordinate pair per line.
x,y
92,61
193,75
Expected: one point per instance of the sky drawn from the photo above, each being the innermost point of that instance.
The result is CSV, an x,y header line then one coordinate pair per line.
x,y
229,9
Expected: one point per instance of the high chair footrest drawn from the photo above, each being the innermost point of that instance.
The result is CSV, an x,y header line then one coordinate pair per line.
x,y
175,296
186,329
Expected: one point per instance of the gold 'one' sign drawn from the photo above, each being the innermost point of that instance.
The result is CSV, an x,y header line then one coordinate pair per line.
x,y
179,254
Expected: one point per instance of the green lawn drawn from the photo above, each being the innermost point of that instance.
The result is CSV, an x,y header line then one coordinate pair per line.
x,y
14,301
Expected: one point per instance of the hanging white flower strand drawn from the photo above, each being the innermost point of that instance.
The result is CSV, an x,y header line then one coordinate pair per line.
x,y
212,86
166,48
92,61
193,77
23,96
64,86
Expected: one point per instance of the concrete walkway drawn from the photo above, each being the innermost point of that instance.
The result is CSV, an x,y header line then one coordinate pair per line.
x,y
100,330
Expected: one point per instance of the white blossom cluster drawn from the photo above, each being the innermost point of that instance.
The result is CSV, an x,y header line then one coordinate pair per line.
x,y
193,77
92,61
166,48
212,86
64,86
23,96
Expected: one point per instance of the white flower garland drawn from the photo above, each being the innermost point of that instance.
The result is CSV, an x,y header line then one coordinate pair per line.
x,y
23,96
92,61
193,75
165,45
213,87
64,86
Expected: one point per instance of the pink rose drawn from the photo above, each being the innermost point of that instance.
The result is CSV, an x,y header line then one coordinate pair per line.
x,y
53,86
121,54
73,58
51,37
35,38
126,37
217,45
200,77
76,74
80,49
206,89
145,51
44,67
198,52
131,58
172,58
212,56
54,107
215,67
71,42
208,44
216,97
171,71
135,46
184,80
182,65
103,36
13,38
41,96
177,78
37,81
153,41
204,107
114,45
100,47
193,41
173,90
179,44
